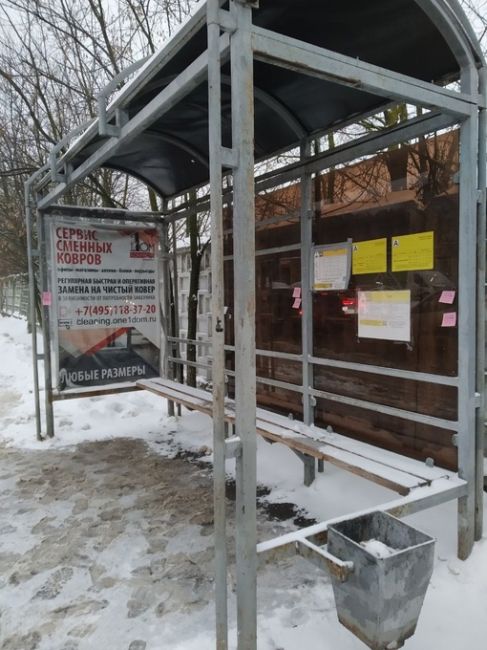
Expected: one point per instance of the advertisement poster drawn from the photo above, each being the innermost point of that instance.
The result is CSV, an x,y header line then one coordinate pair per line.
x,y
106,302
384,315
332,267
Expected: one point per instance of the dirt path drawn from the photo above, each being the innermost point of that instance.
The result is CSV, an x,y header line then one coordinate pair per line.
x,y
106,546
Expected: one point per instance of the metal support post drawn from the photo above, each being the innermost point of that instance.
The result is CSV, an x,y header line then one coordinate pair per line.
x,y
167,309
244,310
32,303
179,375
217,334
307,297
46,323
467,272
481,243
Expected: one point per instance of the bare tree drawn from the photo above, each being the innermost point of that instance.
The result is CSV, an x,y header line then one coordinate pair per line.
x,y
55,57
197,247
476,11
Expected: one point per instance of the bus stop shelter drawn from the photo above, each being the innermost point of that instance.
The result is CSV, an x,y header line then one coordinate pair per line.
x,y
241,83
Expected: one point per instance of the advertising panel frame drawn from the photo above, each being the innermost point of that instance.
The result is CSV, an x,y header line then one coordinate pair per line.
x,y
108,217
115,279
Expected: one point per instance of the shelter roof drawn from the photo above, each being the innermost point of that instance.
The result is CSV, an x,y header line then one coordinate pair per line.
x,y
172,155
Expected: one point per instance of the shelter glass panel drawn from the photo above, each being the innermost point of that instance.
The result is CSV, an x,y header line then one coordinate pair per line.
x,y
278,316
400,211
429,399
411,439
276,398
397,214
277,219
280,369
283,401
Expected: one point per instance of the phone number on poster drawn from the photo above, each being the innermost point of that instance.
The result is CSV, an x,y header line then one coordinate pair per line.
x,y
108,310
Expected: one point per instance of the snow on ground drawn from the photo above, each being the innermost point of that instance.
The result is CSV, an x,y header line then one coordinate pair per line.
x,y
105,533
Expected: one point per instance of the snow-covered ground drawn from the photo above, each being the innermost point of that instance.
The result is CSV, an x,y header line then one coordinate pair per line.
x,y
105,533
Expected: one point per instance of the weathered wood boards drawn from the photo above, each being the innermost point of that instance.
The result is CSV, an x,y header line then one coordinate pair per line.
x,y
386,468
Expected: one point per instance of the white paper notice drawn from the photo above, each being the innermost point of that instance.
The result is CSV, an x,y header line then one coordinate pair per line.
x,y
384,315
332,268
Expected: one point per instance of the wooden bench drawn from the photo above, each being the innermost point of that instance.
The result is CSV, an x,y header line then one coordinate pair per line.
x,y
386,468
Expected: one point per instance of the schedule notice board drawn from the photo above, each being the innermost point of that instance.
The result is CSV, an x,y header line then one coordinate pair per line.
x,y
106,300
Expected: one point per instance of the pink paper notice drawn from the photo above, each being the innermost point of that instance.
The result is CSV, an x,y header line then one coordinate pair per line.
x,y
297,303
449,319
297,292
46,298
447,297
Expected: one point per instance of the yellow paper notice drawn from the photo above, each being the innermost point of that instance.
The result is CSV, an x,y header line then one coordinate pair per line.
x,y
369,256
385,297
413,252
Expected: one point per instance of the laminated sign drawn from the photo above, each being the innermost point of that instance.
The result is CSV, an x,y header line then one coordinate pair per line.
x,y
106,290
331,269
384,315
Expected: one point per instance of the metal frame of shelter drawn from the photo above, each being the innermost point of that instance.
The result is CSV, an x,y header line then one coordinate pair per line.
x,y
233,36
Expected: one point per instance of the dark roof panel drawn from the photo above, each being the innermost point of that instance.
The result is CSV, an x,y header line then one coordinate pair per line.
x,y
395,34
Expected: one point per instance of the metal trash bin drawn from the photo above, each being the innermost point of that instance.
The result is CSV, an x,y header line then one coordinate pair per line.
x,y
381,599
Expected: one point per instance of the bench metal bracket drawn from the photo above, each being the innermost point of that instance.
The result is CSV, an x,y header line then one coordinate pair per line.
x,y
229,158
233,447
309,467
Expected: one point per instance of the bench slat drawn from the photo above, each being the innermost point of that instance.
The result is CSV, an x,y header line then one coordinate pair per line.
x,y
388,477
385,468
382,456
